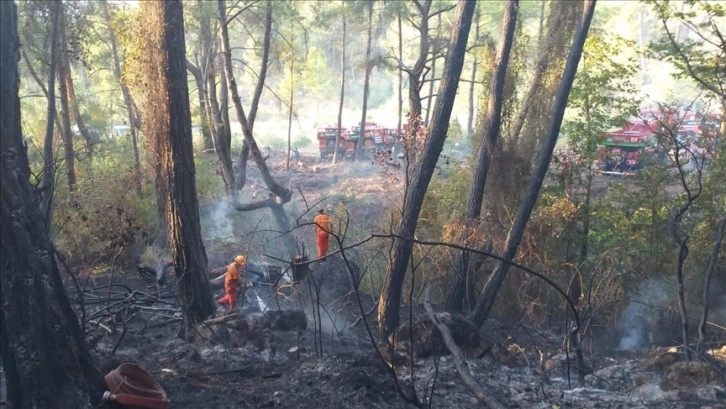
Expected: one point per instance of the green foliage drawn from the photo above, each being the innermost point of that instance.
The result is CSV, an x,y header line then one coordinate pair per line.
x,y
277,142
602,97
444,200
208,177
700,53
104,222
301,142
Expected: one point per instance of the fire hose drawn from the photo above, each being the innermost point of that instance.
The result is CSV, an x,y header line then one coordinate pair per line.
x,y
130,385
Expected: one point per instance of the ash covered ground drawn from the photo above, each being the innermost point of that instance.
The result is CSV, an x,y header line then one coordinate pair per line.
x,y
283,359
308,346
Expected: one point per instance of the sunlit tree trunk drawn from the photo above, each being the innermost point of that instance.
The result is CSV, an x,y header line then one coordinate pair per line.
x,y
45,361
168,126
133,119
390,298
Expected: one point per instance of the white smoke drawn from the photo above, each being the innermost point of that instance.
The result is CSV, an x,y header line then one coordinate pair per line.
x,y
645,307
219,224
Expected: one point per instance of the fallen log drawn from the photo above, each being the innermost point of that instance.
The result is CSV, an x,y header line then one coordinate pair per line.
x,y
458,358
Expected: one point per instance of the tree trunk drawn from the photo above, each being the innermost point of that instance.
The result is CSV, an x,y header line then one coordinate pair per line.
x,y
434,57
77,117
400,76
472,83
48,182
342,89
292,99
414,86
390,298
224,141
259,87
486,148
39,335
64,74
550,51
712,262
168,125
134,120
281,194
360,150
205,53
680,260
488,294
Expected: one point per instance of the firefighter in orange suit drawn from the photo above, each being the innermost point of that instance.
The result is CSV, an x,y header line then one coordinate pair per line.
x,y
234,277
323,227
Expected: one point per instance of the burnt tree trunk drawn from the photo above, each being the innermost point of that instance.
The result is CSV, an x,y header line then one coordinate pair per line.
x,y
168,125
390,298
48,181
39,334
514,237
487,145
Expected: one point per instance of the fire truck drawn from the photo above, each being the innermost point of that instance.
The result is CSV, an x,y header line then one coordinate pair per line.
x,y
623,149
326,141
377,138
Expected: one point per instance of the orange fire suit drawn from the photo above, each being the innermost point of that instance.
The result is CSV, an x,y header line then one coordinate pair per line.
x,y
231,281
323,227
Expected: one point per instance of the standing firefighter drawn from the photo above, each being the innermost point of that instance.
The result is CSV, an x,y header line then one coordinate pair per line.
x,y
323,227
235,274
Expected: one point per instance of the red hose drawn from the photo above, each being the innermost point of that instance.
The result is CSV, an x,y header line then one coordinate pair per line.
x,y
130,385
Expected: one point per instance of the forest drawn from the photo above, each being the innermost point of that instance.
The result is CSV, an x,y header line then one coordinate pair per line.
x,y
362,203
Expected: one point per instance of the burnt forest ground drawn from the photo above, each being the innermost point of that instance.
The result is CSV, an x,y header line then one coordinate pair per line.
x,y
254,359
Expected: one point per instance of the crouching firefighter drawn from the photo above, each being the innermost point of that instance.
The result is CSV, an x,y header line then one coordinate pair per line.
x,y
232,280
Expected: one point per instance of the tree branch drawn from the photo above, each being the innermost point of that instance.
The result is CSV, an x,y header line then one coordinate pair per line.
x,y
461,366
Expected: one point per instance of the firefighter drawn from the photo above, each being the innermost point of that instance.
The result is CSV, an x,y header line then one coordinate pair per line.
x,y
323,227
234,277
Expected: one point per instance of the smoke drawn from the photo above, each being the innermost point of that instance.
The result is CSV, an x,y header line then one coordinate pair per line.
x,y
631,321
220,224
637,320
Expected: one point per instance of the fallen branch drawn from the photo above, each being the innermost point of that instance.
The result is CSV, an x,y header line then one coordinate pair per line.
x,y
223,319
461,365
